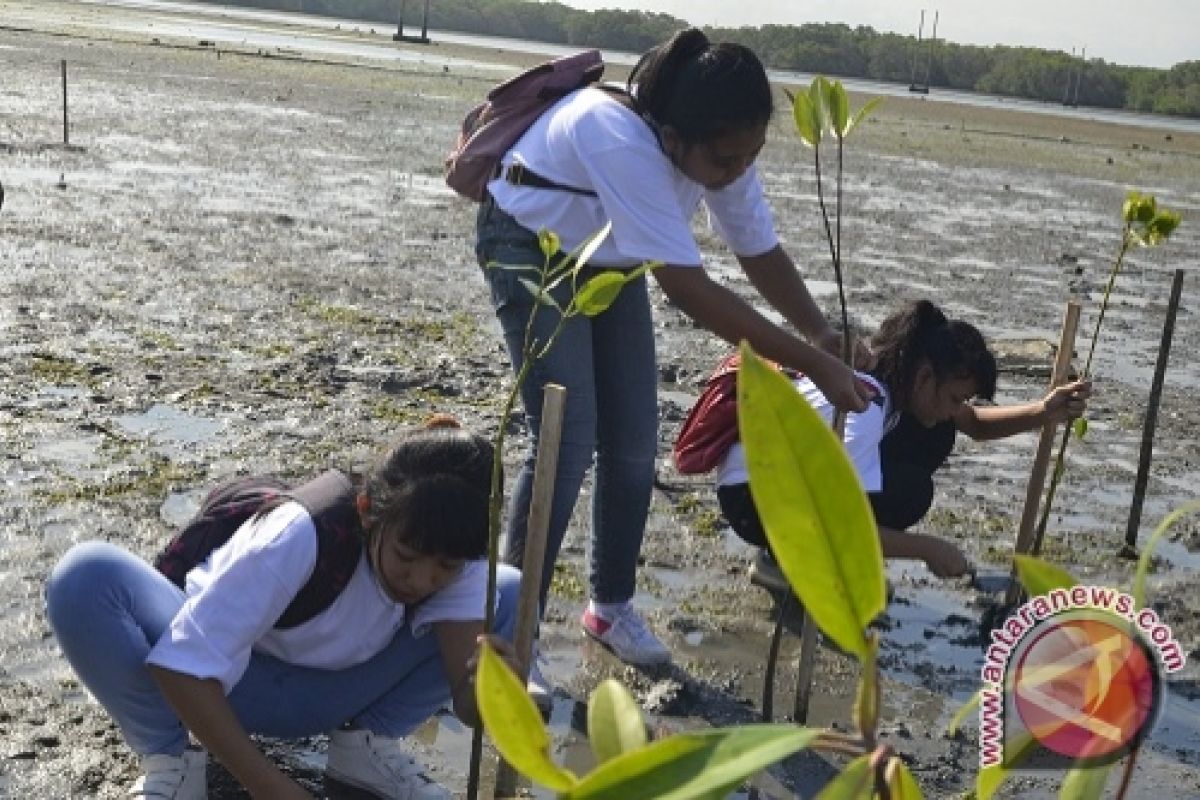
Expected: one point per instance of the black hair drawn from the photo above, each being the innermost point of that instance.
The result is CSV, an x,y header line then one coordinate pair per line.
x,y
430,491
920,334
702,90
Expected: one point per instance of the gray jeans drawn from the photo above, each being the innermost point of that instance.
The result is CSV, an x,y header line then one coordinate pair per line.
x,y
608,367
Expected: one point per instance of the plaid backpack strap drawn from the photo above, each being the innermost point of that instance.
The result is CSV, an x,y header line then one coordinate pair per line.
x,y
330,501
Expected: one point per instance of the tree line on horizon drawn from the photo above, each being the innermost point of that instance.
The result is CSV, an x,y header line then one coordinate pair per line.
x,y
819,48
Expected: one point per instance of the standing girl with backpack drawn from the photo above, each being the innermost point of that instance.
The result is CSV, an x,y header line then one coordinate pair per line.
x,y
215,660
926,370
688,130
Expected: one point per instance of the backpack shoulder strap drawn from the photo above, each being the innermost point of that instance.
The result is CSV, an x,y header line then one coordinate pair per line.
x,y
330,501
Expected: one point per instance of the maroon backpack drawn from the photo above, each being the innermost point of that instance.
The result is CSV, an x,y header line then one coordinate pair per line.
x,y
330,501
494,126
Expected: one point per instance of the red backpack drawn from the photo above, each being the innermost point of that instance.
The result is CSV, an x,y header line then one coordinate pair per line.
x,y
329,500
494,126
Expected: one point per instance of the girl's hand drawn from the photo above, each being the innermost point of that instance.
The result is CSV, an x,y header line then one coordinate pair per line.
x,y
944,559
841,386
831,342
503,648
1067,402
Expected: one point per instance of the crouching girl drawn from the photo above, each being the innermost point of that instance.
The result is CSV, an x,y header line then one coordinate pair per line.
x,y
222,658
927,369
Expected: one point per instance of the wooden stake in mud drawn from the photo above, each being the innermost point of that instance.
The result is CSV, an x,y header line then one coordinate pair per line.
x,y
66,125
1041,460
1151,421
554,398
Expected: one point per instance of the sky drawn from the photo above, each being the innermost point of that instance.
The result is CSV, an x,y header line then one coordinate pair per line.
x,y
1159,33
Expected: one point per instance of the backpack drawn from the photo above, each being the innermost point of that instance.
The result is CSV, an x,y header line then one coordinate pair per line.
x,y
329,500
491,128
711,426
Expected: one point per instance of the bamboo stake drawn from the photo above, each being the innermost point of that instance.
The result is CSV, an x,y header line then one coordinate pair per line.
x,y
1041,460
1151,421
66,127
553,399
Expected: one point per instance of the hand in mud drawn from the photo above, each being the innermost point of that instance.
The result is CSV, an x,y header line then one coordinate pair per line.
x,y
945,560
1067,402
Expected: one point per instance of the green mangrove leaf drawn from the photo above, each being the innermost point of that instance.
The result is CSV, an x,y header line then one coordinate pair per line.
x,y
592,244
512,720
1084,783
539,294
692,765
838,106
863,113
855,782
548,242
1040,577
957,720
1143,567
599,293
866,702
1138,207
813,508
990,778
901,783
1159,229
808,120
615,724
1080,427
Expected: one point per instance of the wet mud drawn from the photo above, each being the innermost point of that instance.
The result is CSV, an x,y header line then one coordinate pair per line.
x,y
246,261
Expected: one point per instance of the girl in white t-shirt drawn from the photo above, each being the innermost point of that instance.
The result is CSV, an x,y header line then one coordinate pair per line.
x,y
927,369
687,132
397,642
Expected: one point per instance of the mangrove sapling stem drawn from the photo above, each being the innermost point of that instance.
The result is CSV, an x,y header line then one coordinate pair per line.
x,y
1127,773
1060,459
768,701
847,337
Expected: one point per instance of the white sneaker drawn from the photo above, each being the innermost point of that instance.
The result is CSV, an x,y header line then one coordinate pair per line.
x,y
627,636
181,777
539,688
380,766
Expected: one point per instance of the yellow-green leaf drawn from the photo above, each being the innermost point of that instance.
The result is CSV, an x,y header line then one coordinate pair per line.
x,y
812,505
855,782
1084,783
1080,426
863,113
839,107
539,294
592,244
599,293
692,765
901,783
1040,577
957,720
808,120
990,778
548,242
615,724
1143,567
512,720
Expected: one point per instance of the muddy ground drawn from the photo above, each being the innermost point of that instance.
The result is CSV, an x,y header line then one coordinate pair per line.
x,y
246,261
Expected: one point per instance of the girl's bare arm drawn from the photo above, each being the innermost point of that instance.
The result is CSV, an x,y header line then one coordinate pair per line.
x,y
459,643
204,710
1063,403
943,558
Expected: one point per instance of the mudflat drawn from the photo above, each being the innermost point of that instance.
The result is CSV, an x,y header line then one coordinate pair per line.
x,y
245,260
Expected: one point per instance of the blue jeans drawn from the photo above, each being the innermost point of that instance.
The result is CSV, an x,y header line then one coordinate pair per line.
x,y
607,365
108,607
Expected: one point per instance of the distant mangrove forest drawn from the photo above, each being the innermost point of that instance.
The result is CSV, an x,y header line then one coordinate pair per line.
x,y
830,49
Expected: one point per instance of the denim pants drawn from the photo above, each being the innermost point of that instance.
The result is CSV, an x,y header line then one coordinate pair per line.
x,y
108,607
607,365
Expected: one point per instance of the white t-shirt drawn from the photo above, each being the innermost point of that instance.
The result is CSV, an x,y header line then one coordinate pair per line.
x,y
863,433
590,141
237,595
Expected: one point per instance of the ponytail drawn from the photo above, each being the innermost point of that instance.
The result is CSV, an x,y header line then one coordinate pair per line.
x,y
921,334
700,89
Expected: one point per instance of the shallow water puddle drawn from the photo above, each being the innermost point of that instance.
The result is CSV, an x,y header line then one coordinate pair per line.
x,y
170,426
